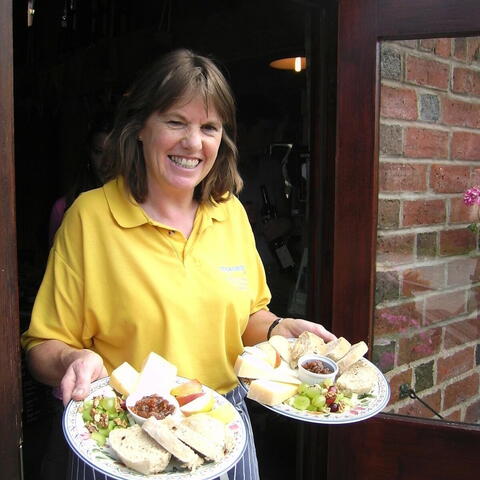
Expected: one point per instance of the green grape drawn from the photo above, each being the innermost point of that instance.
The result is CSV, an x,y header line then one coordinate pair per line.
x,y
311,392
301,402
99,438
108,404
86,415
319,402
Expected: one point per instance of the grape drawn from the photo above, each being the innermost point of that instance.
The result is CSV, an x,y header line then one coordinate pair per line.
x,y
319,402
301,402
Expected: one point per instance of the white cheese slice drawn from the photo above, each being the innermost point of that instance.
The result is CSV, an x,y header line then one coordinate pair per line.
x,y
124,379
157,375
250,366
270,392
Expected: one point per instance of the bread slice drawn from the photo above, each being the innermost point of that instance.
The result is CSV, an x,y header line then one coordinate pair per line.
x,y
210,427
336,349
281,345
355,353
138,451
307,342
359,378
210,450
161,431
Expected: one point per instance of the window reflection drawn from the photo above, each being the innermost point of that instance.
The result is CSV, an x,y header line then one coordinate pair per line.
x,y
427,325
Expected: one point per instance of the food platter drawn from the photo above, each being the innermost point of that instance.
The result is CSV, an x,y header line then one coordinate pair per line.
x,y
104,460
372,404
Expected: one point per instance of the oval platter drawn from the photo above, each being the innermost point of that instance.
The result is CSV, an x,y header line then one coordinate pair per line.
x,y
103,458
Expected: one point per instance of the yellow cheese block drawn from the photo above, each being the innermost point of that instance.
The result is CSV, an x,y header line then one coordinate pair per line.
x,y
250,366
124,379
157,374
270,392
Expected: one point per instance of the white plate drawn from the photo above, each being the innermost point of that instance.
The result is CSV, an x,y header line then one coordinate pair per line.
x,y
103,459
366,408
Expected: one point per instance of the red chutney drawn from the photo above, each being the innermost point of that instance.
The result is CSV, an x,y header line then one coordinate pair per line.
x,y
153,406
316,366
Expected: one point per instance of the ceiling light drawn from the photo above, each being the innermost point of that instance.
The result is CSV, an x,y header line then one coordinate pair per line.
x,y
296,64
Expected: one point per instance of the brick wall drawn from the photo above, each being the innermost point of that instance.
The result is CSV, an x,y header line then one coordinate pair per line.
x,y
427,323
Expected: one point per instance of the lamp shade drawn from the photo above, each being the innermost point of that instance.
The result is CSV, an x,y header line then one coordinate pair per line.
x,y
296,64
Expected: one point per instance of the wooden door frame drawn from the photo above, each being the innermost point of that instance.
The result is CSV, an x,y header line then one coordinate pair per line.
x,y
388,446
10,391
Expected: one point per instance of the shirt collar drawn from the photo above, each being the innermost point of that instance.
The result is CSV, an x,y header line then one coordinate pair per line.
x,y
129,214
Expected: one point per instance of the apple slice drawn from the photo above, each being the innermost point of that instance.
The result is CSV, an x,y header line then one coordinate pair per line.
x,y
271,355
204,403
184,399
186,388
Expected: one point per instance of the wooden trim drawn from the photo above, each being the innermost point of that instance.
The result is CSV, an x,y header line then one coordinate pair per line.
x,y
10,398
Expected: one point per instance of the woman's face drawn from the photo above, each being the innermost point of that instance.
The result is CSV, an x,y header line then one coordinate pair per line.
x,y
180,145
96,151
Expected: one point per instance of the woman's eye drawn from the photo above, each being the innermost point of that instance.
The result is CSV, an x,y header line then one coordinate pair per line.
x,y
211,128
175,123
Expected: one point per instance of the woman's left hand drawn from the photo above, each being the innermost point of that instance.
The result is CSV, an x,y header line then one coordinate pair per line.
x,y
293,327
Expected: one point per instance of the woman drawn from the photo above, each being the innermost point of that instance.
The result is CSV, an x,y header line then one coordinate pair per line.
x,y
162,257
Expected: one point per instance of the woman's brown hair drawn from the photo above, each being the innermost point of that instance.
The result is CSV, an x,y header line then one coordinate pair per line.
x,y
177,74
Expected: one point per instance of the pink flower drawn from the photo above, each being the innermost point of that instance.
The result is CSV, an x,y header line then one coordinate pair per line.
x,y
472,196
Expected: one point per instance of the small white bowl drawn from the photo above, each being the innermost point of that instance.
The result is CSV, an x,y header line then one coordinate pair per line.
x,y
306,376
134,397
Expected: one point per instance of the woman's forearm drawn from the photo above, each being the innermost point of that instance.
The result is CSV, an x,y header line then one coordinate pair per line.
x,y
257,327
48,361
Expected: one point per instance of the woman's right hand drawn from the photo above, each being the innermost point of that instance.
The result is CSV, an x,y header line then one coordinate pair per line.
x,y
84,367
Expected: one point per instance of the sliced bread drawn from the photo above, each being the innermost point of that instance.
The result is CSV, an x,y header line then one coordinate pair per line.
x,y
336,349
307,342
138,451
201,444
355,353
161,431
359,378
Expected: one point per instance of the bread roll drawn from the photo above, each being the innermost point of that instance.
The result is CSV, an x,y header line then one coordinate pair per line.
x,y
307,342
356,352
359,378
138,451
336,349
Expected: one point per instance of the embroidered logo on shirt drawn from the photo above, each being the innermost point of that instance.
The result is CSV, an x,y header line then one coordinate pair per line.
x,y
236,275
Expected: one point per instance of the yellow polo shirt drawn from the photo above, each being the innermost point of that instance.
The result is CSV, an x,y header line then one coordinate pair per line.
x,y
124,285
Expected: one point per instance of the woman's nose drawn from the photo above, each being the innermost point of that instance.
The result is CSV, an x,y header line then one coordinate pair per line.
x,y
193,138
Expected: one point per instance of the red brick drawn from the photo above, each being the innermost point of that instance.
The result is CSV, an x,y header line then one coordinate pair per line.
x,y
424,71
388,214
423,279
473,49
397,319
439,46
456,364
402,177
449,178
420,345
455,416
460,391
466,80
417,409
465,146
461,213
395,249
475,177
400,103
460,333
457,242
472,413
425,143
463,272
460,113
445,306
460,48
396,381
423,212
473,302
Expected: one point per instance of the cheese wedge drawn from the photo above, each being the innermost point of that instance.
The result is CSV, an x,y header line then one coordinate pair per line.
x,y
271,393
281,345
157,374
124,379
250,366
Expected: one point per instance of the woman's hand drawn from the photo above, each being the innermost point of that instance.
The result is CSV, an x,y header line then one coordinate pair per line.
x,y
57,364
293,327
84,367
